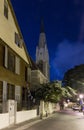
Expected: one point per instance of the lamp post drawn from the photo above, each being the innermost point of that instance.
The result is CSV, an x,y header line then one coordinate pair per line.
x,y
81,100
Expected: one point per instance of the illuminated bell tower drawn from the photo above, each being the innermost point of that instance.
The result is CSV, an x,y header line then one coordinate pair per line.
x,y
42,55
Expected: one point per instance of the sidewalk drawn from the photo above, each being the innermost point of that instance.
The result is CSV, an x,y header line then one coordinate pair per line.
x,y
20,125
29,123
26,124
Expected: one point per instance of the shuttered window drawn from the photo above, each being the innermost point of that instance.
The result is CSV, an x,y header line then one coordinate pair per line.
x,y
6,57
10,91
11,61
18,40
1,55
1,92
5,9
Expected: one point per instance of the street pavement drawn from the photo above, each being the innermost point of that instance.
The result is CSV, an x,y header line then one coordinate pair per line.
x,y
62,120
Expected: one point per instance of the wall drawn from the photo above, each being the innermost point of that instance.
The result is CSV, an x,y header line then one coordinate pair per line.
x,y
4,120
16,79
48,107
21,116
8,29
25,115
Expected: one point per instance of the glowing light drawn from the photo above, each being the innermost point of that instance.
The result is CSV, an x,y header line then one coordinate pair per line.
x,y
80,96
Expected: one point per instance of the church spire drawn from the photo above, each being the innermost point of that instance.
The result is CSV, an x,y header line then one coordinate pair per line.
x,y
42,37
42,55
42,27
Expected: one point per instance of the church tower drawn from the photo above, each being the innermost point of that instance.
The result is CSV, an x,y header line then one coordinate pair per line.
x,y
42,55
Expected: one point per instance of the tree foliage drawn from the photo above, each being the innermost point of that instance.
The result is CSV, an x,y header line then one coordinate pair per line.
x,y
75,78
53,92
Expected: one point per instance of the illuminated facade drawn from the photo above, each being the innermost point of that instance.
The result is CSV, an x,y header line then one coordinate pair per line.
x,y
15,72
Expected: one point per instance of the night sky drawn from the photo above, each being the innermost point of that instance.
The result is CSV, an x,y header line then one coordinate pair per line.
x,y
64,28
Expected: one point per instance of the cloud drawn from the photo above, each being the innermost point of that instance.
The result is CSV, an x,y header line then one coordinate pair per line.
x,y
67,55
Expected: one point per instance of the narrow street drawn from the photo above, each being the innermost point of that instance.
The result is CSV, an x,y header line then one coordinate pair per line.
x,y
61,121
64,120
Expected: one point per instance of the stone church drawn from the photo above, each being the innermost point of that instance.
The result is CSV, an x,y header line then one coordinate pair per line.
x,y
42,54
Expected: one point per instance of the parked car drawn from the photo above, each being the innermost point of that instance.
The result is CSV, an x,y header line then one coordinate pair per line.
x,y
76,107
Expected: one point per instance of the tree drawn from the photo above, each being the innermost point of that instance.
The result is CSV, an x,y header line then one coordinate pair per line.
x,y
75,78
53,92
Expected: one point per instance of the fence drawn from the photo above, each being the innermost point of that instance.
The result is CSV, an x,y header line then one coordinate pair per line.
x,y
4,120
25,115
20,117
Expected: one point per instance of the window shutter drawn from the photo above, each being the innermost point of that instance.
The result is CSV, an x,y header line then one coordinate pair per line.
x,y
17,65
18,93
4,91
5,9
16,39
21,43
6,57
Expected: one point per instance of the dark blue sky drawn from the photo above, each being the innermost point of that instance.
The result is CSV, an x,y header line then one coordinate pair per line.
x,y
63,27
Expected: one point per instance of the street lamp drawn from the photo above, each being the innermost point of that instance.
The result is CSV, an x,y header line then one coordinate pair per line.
x,y
78,99
81,96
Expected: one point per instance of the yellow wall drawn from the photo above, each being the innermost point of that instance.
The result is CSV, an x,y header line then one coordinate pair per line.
x,y
7,31
9,76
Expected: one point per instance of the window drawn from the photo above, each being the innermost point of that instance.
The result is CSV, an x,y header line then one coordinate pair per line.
x,y
5,9
1,55
11,61
27,74
18,40
10,91
6,57
1,92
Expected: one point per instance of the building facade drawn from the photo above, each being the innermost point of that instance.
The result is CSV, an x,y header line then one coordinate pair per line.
x,y
15,72
42,55
37,77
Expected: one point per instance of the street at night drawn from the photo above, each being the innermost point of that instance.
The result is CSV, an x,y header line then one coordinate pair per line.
x,y
61,121
64,120
42,65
